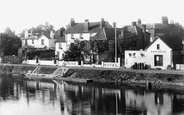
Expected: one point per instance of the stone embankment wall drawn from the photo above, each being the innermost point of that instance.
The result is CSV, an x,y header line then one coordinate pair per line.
x,y
15,69
107,76
130,78
23,69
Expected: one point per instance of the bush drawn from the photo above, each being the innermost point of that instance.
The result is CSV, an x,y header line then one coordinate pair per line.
x,y
169,67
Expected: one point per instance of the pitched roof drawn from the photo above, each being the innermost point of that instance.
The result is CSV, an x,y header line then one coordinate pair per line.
x,y
107,33
175,43
129,29
165,26
79,27
59,33
47,34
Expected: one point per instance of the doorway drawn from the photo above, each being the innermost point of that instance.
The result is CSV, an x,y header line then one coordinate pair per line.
x,y
158,60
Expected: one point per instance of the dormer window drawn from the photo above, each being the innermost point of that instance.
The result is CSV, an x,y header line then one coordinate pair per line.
x,y
158,46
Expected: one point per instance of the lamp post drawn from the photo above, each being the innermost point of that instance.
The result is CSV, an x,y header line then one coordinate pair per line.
x,y
115,37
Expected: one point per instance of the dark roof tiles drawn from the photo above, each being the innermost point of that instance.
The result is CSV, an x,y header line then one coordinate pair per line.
x,y
79,27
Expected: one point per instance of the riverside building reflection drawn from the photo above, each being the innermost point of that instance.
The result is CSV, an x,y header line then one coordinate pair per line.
x,y
62,98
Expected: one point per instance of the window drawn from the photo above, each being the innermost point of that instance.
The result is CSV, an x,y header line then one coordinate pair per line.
x,y
58,53
134,55
25,41
42,41
72,36
158,46
60,46
32,41
158,60
81,37
183,42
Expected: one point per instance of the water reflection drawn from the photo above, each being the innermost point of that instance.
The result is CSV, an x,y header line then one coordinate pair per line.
x,y
20,97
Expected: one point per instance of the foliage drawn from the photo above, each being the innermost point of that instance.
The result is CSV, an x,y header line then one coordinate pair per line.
x,y
126,43
43,54
74,52
98,46
81,49
9,44
38,29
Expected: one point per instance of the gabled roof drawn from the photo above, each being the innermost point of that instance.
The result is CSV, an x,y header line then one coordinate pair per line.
x,y
109,33
175,43
79,27
136,30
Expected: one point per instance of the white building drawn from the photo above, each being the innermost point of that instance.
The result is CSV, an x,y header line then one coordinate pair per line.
x,y
158,55
45,40
60,47
81,31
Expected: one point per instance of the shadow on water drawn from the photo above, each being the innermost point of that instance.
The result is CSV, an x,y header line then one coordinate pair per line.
x,y
66,98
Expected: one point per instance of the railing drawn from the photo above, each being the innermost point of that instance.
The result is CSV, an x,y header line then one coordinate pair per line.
x,y
73,63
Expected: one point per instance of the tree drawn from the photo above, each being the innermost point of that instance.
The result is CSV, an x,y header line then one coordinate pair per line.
x,y
9,32
9,45
126,43
74,52
38,29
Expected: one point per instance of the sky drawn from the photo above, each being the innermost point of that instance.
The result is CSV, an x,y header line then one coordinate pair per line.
x,y
23,14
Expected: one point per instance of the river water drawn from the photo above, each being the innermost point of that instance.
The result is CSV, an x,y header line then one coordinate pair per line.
x,y
29,97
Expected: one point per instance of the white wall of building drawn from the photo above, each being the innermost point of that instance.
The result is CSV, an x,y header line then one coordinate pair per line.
x,y
132,57
30,42
60,48
45,39
52,43
148,56
164,50
85,36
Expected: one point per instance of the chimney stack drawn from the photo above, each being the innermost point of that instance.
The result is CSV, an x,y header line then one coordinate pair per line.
x,y
72,22
61,32
139,22
145,42
102,23
86,25
133,23
26,33
164,20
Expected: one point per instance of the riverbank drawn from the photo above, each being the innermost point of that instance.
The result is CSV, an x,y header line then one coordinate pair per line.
x,y
157,78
